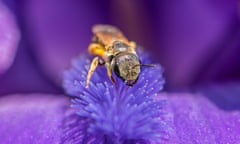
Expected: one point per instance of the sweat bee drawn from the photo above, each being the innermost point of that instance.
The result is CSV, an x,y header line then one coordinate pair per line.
x,y
116,52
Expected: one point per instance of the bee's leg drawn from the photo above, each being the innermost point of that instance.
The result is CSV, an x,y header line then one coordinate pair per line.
x,y
96,49
109,72
93,66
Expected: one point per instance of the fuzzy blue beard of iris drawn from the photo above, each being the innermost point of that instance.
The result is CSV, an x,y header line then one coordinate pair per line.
x,y
117,113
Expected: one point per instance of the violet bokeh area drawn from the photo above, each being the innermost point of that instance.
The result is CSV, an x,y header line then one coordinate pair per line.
x,y
197,43
9,38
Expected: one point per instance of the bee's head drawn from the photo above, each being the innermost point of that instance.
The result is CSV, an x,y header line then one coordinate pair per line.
x,y
127,66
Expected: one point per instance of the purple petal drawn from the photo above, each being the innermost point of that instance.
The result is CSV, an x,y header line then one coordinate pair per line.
x,y
9,38
35,118
197,120
193,119
40,118
118,113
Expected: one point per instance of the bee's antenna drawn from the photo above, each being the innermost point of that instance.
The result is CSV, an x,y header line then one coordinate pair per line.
x,y
147,65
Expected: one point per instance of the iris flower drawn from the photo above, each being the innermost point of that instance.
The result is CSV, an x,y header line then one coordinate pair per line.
x,y
195,100
117,114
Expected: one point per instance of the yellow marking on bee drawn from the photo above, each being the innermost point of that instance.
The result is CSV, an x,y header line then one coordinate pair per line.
x,y
96,49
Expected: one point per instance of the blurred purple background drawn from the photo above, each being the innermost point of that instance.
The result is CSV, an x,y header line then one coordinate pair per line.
x,y
197,43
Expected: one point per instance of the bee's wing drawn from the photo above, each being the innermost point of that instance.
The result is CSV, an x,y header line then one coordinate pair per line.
x,y
106,29
106,34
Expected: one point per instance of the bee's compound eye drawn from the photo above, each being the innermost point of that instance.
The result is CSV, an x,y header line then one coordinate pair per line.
x,y
127,67
116,69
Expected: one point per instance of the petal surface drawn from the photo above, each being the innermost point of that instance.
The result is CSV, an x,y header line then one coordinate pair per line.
x,y
41,118
197,120
34,118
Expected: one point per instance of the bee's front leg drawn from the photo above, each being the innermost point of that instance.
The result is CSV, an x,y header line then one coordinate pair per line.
x,y
109,72
93,66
